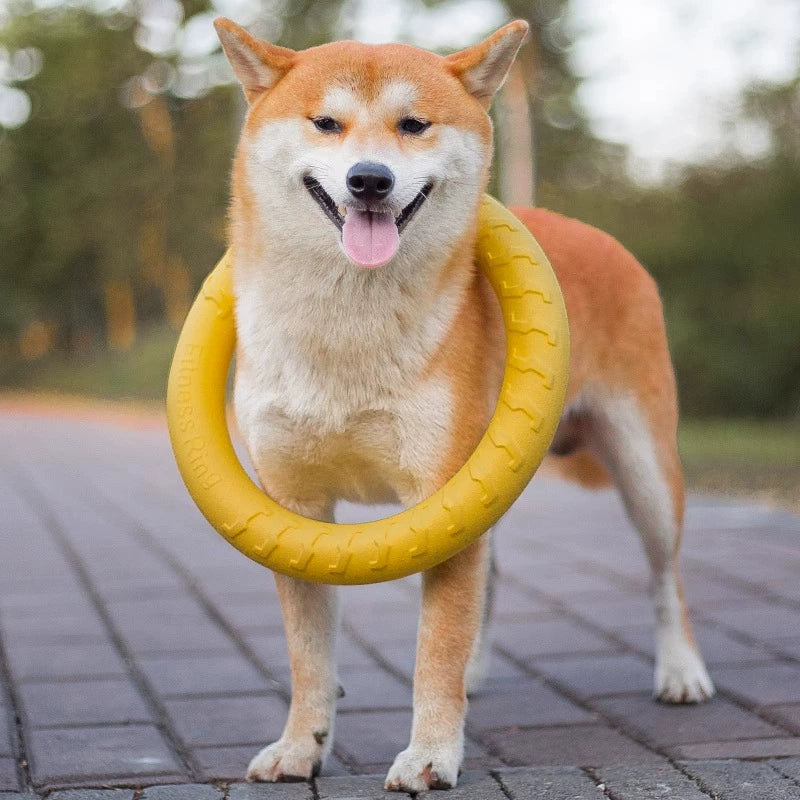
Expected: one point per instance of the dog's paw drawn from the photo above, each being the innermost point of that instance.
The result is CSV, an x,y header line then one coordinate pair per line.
x,y
681,676
418,769
286,761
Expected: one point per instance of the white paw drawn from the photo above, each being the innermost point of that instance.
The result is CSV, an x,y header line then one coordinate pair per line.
x,y
419,768
287,760
681,676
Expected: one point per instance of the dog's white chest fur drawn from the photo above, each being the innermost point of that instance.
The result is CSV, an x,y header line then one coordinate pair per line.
x,y
332,384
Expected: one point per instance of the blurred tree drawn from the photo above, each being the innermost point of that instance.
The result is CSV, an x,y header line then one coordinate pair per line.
x,y
99,186
723,241
63,212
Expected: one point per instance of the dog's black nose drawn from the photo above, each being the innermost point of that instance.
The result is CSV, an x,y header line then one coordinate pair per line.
x,y
369,181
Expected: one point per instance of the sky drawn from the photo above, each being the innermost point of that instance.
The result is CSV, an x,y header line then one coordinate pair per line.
x,y
660,76
663,76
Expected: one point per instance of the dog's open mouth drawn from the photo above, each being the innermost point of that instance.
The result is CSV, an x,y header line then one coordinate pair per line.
x,y
369,238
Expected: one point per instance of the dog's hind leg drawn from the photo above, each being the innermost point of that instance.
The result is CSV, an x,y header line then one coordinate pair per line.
x,y
636,439
311,616
450,623
479,657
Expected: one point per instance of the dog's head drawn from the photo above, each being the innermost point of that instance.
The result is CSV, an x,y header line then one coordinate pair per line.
x,y
374,151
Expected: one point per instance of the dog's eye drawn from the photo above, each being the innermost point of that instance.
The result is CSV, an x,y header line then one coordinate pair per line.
x,y
412,125
327,124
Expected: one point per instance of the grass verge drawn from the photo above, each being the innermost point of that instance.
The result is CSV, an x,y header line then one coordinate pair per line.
x,y
758,459
140,373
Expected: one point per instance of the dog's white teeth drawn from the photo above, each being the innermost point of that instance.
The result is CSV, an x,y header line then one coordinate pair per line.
x,y
343,210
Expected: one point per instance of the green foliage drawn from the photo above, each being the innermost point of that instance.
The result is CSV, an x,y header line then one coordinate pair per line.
x,y
747,457
724,244
80,180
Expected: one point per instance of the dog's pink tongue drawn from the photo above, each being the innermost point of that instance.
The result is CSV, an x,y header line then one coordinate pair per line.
x,y
370,239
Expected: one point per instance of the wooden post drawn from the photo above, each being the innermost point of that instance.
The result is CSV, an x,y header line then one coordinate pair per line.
x,y
515,139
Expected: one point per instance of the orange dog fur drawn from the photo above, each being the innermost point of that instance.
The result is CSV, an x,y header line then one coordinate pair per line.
x,y
370,354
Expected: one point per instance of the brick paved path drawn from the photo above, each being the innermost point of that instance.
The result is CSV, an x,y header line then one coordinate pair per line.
x,y
140,650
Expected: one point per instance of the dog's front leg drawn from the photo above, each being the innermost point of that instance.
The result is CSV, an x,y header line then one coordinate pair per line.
x,y
311,616
449,635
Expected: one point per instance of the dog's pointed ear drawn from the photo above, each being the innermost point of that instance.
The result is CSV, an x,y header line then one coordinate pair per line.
x,y
258,65
483,67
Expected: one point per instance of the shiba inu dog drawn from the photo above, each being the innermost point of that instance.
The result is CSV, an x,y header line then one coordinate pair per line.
x,y
371,351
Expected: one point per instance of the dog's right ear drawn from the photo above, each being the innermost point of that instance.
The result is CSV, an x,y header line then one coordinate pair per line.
x,y
258,65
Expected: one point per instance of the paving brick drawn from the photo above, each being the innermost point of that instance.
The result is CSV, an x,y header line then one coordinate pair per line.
x,y
375,737
789,767
175,624
560,636
511,603
85,660
18,796
335,767
54,629
578,745
186,791
8,775
762,620
92,794
373,688
256,614
385,624
741,748
548,783
176,675
786,588
476,785
592,676
270,791
648,782
350,655
256,719
665,724
762,684
742,780
788,715
501,670
224,763
82,703
270,650
717,646
791,647
524,703
704,592
6,726
559,582
613,614
356,787
68,754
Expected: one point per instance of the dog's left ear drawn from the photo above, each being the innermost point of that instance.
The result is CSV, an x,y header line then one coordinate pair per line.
x,y
483,67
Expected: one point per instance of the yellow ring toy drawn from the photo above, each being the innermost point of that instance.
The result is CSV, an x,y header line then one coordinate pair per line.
x,y
418,538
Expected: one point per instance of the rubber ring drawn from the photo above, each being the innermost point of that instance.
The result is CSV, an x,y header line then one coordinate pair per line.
x,y
516,440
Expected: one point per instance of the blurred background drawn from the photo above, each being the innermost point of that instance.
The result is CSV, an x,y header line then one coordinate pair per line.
x,y
673,124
